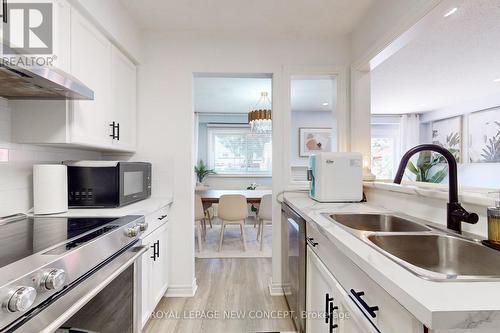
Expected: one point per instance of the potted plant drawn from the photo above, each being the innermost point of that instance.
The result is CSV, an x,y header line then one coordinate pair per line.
x,y
202,171
423,168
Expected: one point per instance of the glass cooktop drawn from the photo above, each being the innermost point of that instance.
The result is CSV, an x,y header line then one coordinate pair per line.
x,y
24,237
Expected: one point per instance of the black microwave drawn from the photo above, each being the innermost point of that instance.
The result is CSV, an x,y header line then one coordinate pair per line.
x,y
106,184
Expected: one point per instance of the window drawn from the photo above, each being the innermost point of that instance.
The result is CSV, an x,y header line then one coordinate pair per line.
x,y
237,150
385,147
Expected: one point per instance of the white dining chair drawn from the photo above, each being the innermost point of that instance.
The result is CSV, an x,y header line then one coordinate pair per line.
x,y
232,210
199,218
265,215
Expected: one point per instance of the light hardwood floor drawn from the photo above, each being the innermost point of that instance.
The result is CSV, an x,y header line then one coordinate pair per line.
x,y
224,285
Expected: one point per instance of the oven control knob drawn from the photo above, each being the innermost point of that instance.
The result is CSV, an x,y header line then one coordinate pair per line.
x,y
54,279
132,231
22,299
143,226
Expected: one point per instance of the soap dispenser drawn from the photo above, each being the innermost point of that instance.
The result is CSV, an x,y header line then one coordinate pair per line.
x,y
494,222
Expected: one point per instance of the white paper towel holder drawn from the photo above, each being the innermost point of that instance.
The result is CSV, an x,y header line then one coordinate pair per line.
x,y
50,189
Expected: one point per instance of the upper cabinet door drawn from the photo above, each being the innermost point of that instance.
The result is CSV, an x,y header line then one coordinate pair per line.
x,y
124,102
90,63
62,35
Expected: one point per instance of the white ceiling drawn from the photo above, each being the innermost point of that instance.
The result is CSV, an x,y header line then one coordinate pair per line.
x,y
455,59
240,95
294,17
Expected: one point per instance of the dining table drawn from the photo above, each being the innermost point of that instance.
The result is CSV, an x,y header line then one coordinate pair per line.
x,y
213,196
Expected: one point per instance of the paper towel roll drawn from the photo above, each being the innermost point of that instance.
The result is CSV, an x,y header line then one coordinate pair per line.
x,y
50,188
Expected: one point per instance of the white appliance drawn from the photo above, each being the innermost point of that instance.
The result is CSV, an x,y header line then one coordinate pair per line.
x,y
50,189
336,177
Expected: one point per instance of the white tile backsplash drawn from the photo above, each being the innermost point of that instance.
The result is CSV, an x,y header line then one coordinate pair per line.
x,y
16,173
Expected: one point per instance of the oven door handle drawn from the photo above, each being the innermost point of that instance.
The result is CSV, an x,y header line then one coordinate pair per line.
x,y
82,293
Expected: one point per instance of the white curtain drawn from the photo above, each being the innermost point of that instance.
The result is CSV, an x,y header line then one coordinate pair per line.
x,y
409,131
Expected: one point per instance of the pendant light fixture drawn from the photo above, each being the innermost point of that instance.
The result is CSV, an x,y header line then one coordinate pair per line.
x,y
260,119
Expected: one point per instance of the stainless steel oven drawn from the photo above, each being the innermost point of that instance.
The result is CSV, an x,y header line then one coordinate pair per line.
x,y
294,264
107,183
105,302
70,274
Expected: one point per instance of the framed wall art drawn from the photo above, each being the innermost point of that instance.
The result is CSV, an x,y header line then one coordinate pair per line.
x,y
314,140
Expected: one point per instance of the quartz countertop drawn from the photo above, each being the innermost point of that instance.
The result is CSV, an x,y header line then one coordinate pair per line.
x,y
438,305
143,207
480,197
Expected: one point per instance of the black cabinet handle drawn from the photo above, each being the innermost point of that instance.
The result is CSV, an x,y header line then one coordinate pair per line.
x,y
311,242
370,309
116,130
113,126
5,11
156,250
328,299
162,217
332,325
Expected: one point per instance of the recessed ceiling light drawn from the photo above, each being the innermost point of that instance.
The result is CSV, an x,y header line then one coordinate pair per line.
x,y
422,105
325,104
496,80
451,12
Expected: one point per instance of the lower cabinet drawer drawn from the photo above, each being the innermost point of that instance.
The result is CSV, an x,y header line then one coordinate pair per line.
x,y
372,301
156,219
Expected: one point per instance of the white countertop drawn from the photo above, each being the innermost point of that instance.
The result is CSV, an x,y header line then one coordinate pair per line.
x,y
439,305
475,196
143,207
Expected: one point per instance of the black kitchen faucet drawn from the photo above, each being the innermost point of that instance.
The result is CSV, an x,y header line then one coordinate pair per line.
x,y
456,214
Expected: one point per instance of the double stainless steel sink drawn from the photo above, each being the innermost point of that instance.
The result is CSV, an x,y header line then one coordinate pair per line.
x,y
423,249
378,223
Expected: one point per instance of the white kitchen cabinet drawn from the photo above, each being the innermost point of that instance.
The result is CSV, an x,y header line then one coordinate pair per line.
x,y
96,62
357,292
62,35
154,266
327,308
123,99
90,63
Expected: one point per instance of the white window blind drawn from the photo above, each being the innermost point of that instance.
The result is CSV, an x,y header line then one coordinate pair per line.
x,y
237,150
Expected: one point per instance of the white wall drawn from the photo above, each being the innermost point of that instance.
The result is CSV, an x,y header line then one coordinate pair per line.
x,y
166,117
16,173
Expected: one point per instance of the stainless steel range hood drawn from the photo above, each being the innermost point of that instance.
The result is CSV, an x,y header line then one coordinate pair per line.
x,y
45,83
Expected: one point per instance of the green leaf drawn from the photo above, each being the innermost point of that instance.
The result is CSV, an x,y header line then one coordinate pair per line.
x,y
411,167
439,176
202,171
424,159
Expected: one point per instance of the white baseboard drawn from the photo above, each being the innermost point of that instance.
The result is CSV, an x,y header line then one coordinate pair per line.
x,y
182,290
276,289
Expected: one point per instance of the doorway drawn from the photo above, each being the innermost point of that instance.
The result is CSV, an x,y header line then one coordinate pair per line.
x,y
233,158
